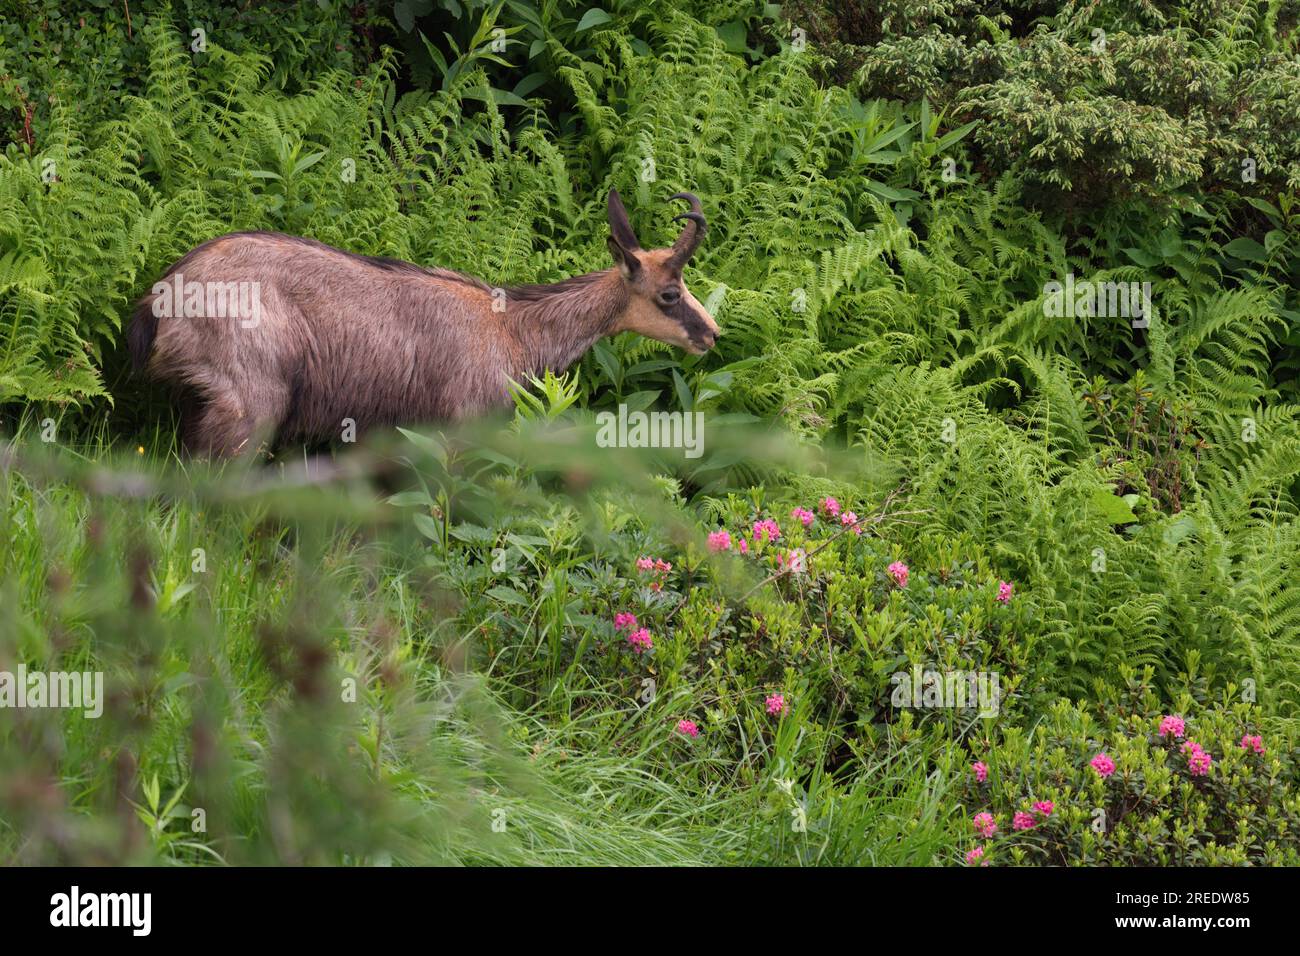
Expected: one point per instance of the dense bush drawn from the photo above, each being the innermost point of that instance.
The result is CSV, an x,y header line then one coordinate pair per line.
x,y
1097,100
1138,786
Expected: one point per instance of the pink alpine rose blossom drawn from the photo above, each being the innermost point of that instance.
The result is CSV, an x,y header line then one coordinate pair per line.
x,y
1004,592
981,770
1045,807
803,515
688,728
1023,821
1172,726
640,641
985,824
794,561
831,507
1199,763
1103,765
776,704
976,856
622,620
899,572
1255,743
720,540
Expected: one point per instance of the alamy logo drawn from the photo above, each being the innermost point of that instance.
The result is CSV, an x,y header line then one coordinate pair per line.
x,y
651,430
103,909
1125,300
37,689
959,690
178,299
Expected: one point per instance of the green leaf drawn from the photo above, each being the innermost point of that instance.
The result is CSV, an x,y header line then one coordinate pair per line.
x,y
426,444
1142,257
406,499
1179,528
1246,248
473,534
309,161
1264,206
956,136
404,15
733,36
684,394
530,83
890,193
1114,508
640,401
427,526
593,18
506,98
508,595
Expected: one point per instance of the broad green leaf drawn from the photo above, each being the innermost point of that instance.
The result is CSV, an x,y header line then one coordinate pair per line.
x,y
593,18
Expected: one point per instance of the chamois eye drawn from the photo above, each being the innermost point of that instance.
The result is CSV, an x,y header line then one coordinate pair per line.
x,y
670,297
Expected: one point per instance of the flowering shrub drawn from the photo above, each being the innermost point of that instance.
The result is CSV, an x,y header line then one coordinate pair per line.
x,y
847,636
1122,790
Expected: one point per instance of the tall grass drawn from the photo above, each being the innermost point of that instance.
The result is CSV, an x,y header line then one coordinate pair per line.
x,y
227,673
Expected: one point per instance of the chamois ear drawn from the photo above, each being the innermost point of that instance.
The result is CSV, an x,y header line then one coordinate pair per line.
x,y
619,225
628,264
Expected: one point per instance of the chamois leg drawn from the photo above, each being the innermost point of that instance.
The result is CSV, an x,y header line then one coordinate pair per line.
x,y
228,425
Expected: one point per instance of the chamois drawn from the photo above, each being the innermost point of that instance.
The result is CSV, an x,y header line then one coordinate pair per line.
x,y
281,338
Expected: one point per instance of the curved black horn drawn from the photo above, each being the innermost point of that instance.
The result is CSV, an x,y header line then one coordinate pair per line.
x,y
694,230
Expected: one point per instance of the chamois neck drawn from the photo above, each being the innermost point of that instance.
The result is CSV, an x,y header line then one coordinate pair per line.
x,y
556,324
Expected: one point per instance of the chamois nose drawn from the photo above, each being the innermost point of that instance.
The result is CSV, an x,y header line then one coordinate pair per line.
x,y
711,338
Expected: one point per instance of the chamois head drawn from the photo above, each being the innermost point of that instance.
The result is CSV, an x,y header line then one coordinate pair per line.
x,y
659,306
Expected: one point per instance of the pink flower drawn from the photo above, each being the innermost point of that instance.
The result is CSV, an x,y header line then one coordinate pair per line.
x,y
850,518
1174,726
776,704
1023,821
794,560
1253,743
658,566
743,546
831,506
803,515
622,620
640,641
1199,763
898,571
688,728
976,856
766,530
1103,765
981,770
985,824
1004,592
1045,807
719,541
